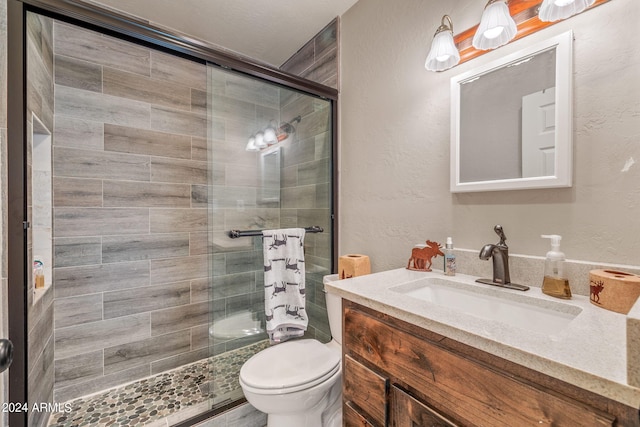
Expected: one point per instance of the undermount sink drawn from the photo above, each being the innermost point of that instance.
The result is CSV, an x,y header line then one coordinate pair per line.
x,y
532,314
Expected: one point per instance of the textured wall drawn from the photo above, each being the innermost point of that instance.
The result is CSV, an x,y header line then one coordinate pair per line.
x,y
395,140
130,222
318,59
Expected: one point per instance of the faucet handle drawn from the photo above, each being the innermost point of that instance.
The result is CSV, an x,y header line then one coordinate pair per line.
x,y
500,233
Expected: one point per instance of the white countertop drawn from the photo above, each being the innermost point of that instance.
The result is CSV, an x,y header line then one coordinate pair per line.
x,y
591,352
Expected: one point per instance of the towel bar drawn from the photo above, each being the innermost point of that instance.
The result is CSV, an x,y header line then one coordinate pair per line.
x,y
234,234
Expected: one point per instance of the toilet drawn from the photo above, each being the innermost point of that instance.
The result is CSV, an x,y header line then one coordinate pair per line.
x,y
299,383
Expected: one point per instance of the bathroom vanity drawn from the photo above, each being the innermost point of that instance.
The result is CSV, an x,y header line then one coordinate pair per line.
x,y
413,355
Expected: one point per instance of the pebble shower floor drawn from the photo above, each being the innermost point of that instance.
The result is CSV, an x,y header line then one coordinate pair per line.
x,y
152,399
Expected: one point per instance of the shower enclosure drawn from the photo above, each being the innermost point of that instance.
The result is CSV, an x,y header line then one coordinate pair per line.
x,y
271,160
139,158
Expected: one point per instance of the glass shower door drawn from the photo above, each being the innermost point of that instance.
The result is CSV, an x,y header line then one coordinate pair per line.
x,y
270,152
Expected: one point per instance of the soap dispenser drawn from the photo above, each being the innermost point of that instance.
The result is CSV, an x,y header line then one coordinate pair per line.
x,y
449,259
555,283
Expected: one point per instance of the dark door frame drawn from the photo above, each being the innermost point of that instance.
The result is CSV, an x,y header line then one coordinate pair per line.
x,y
137,31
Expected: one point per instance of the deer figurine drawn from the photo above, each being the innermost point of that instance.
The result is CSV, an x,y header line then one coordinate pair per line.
x,y
596,287
421,257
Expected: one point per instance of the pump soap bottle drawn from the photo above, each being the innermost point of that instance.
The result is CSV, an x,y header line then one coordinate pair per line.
x,y
449,258
555,283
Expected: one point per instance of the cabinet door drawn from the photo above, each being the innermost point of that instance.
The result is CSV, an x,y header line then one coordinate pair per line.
x,y
406,411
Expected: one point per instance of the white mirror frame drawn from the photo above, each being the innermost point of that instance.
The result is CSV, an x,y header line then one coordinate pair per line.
x,y
563,166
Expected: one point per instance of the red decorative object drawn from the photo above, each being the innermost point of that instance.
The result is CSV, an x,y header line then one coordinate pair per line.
x,y
421,257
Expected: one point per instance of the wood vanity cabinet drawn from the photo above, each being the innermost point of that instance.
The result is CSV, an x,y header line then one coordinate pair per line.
x,y
399,375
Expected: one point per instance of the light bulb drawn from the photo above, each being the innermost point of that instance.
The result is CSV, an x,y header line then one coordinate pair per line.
x,y
555,10
496,28
270,136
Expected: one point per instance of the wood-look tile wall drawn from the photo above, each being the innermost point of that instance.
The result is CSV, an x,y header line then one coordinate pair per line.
x,y
240,107
306,197
40,103
307,171
318,59
130,208
130,212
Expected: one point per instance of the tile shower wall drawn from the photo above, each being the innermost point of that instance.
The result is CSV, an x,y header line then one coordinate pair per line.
x,y
307,164
130,225
306,197
317,60
240,107
40,105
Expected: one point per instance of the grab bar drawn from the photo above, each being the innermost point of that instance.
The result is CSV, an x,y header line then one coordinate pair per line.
x,y
234,234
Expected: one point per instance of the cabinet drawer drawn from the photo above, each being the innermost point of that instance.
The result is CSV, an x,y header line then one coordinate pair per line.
x,y
470,392
351,417
409,412
365,390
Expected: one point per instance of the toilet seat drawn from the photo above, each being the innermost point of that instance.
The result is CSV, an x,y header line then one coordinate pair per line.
x,y
290,367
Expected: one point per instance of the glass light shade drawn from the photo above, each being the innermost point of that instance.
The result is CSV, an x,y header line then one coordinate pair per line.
x,y
555,10
443,54
251,145
260,143
270,136
496,28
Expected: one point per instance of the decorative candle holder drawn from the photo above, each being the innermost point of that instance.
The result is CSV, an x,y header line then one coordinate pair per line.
x,y
353,265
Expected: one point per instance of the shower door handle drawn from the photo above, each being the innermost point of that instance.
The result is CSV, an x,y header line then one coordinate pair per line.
x,y
6,354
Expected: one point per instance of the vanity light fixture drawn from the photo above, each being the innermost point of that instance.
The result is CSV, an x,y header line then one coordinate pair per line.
x,y
496,28
251,144
555,10
443,54
260,143
272,135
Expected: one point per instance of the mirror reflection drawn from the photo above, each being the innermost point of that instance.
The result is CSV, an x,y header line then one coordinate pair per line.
x,y
507,121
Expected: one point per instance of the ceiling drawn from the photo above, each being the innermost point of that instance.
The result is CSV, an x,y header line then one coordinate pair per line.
x,y
270,31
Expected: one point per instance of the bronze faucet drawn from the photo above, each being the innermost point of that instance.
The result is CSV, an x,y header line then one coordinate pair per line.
x,y
500,254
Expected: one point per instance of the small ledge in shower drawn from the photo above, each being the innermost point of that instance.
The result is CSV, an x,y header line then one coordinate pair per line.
x,y
42,208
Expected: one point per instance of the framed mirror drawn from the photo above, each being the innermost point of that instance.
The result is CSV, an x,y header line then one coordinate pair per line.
x,y
511,121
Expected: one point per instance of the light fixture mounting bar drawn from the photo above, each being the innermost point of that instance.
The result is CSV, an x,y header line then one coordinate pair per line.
x,y
523,12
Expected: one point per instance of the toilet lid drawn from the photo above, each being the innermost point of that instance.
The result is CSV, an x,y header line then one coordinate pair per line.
x,y
289,364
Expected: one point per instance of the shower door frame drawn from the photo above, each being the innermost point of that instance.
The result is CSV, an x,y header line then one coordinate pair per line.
x,y
140,32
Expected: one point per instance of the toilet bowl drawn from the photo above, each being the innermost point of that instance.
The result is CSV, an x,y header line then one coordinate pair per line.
x,y
238,325
298,383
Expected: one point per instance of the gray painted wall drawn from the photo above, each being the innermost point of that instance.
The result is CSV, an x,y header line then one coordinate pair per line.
x,y
395,140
